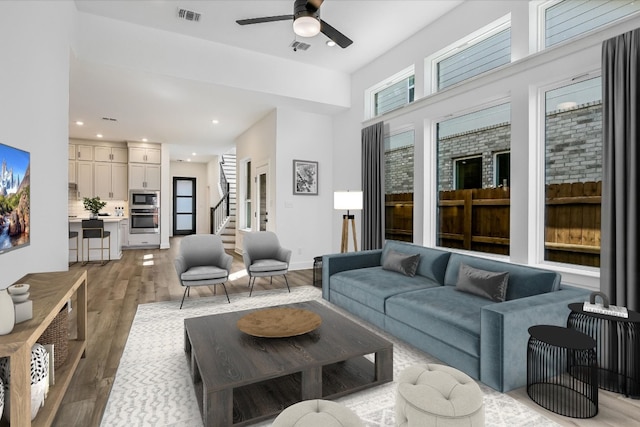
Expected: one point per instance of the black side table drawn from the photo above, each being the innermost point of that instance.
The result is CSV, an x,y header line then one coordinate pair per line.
x,y
562,371
317,271
618,341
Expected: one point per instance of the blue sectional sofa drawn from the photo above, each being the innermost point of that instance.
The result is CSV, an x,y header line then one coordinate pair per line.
x,y
484,338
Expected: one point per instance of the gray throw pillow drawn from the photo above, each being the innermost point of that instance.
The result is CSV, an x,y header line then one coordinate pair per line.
x,y
402,263
487,284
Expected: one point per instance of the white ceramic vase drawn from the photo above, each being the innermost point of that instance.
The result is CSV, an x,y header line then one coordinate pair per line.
x,y
7,313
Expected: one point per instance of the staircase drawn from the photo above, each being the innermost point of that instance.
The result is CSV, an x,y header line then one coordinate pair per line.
x,y
228,231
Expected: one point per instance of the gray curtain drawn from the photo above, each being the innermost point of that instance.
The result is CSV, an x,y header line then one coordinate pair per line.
x,y
620,241
372,187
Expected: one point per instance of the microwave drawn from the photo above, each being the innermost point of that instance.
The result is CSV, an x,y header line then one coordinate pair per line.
x,y
143,198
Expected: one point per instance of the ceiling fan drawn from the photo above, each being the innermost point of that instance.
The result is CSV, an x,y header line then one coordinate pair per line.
x,y
306,22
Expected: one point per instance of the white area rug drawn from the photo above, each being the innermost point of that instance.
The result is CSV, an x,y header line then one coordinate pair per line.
x,y
153,387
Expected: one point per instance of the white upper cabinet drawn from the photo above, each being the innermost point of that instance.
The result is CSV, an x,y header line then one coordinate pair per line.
x,y
110,154
144,155
84,153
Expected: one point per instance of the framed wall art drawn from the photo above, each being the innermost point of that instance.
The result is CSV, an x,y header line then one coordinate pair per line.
x,y
305,177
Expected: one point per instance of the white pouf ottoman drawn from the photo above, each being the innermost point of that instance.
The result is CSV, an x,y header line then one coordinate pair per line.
x,y
317,413
438,395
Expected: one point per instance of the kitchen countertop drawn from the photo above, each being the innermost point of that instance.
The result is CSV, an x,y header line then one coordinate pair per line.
x,y
104,218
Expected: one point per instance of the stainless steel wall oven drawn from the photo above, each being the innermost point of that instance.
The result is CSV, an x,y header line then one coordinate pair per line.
x,y
144,212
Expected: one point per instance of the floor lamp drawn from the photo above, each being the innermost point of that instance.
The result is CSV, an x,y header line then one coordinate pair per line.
x,y
349,201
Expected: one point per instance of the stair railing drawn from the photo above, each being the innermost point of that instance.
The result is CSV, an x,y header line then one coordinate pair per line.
x,y
221,211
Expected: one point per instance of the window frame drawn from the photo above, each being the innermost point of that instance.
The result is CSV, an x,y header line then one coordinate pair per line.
x,y
431,62
538,197
370,93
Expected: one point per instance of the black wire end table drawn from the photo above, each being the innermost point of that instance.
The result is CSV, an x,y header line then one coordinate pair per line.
x,y
562,371
618,341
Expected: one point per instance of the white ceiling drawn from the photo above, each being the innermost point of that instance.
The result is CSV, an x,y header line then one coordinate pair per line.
x,y
145,105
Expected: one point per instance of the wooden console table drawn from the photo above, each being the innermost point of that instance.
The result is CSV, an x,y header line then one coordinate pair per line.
x,y
49,293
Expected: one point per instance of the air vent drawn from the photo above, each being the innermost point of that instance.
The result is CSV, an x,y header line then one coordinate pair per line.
x,y
296,45
109,119
188,15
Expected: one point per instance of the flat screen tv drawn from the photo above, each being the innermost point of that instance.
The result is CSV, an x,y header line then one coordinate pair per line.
x,y
14,198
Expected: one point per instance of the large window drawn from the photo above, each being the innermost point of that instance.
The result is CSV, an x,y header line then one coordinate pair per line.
x,y
473,212
399,160
567,19
573,172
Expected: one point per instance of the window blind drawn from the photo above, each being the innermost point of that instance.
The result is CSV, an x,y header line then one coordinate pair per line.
x,y
394,96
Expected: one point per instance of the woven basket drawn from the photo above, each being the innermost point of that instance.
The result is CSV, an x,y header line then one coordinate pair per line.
x,y
57,333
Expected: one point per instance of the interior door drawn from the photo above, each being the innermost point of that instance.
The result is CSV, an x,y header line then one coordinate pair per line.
x,y
262,191
184,206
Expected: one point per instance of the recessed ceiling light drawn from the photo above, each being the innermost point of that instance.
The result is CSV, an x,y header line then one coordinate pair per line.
x,y
193,154
188,160
330,43
79,123
144,140
99,135
215,121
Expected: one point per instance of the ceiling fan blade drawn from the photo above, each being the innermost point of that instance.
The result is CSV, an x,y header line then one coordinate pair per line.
x,y
335,35
314,5
265,19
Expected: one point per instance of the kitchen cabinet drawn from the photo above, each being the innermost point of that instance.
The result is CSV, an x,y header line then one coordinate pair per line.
x,y
84,179
72,171
124,232
72,151
144,155
84,152
149,239
142,176
110,154
110,181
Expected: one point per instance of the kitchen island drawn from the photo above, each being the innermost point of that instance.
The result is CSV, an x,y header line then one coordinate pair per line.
x,y
111,224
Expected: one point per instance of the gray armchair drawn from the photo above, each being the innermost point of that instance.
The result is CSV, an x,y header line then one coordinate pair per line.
x,y
264,257
202,261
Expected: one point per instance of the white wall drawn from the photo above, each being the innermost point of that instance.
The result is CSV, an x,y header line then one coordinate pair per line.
x,y
303,223
35,40
257,144
518,83
199,172
213,181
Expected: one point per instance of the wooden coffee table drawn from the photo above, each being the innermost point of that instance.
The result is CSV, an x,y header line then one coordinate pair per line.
x,y
241,379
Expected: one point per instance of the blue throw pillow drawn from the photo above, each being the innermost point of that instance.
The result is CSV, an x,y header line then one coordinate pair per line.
x,y
487,284
402,263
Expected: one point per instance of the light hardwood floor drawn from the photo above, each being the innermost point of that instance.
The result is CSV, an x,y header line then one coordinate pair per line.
x,y
145,276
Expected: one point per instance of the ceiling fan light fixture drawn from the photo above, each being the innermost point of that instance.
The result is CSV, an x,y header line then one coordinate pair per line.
x,y
306,26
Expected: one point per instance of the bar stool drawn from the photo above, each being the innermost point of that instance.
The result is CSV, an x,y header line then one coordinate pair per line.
x,y
94,229
74,235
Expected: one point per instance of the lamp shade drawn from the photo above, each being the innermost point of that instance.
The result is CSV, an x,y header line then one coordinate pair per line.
x,y
306,26
347,200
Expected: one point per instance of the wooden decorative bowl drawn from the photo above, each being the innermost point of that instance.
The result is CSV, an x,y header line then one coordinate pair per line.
x,y
279,322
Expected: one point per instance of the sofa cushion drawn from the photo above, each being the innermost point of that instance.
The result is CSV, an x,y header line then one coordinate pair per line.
x,y
524,281
203,272
401,263
372,286
433,262
487,284
443,313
